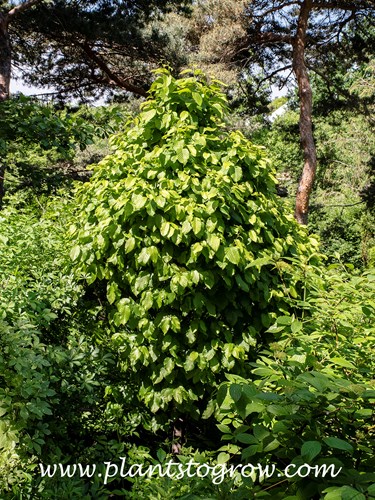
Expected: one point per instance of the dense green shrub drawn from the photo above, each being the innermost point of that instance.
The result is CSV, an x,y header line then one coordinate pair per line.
x,y
43,148
312,397
30,300
182,226
47,368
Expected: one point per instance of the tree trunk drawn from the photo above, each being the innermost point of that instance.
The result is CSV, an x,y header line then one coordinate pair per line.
x,y
5,57
5,67
305,123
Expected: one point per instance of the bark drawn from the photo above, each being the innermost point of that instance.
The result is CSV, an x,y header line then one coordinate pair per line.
x,y
112,77
5,57
6,65
305,123
22,7
5,47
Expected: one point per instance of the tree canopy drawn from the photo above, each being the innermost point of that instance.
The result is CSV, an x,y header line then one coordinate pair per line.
x,y
82,47
285,41
298,36
186,322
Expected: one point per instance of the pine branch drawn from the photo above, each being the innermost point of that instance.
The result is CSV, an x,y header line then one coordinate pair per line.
x,y
342,5
112,77
270,37
18,9
276,8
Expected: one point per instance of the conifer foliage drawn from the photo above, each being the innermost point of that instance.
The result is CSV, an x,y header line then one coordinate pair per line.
x,y
183,226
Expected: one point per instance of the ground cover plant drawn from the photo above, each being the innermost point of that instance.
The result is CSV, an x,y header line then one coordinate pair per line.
x,y
41,342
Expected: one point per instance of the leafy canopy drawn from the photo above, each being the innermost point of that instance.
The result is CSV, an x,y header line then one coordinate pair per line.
x,y
103,44
183,227
26,124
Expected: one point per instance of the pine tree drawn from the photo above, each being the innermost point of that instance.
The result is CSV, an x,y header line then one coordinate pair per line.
x,y
280,40
83,46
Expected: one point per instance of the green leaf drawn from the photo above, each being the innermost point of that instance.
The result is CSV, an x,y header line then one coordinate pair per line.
x,y
161,455
147,300
141,283
196,224
165,324
209,411
197,98
348,493
253,408
246,438
129,244
363,413
225,429
191,148
222,392
260,432
343,362
242,284
284,320
296,326
124,312
183,156
334,493
184,115
144,256
263,371
338,444
235,391
138,201
186,227
273,445
112,290
310,449
147,116
250,451
233,255
223,458
237,175
213,241
164,228
75,252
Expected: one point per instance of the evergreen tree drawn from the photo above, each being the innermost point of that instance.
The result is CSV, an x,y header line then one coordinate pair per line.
x,y
79,46
283,39
301,36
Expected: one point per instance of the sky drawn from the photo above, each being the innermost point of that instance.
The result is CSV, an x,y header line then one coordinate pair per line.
x,y
17,85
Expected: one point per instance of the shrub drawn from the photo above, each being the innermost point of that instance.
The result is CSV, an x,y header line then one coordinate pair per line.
x,y
47,368
182,227
311,399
